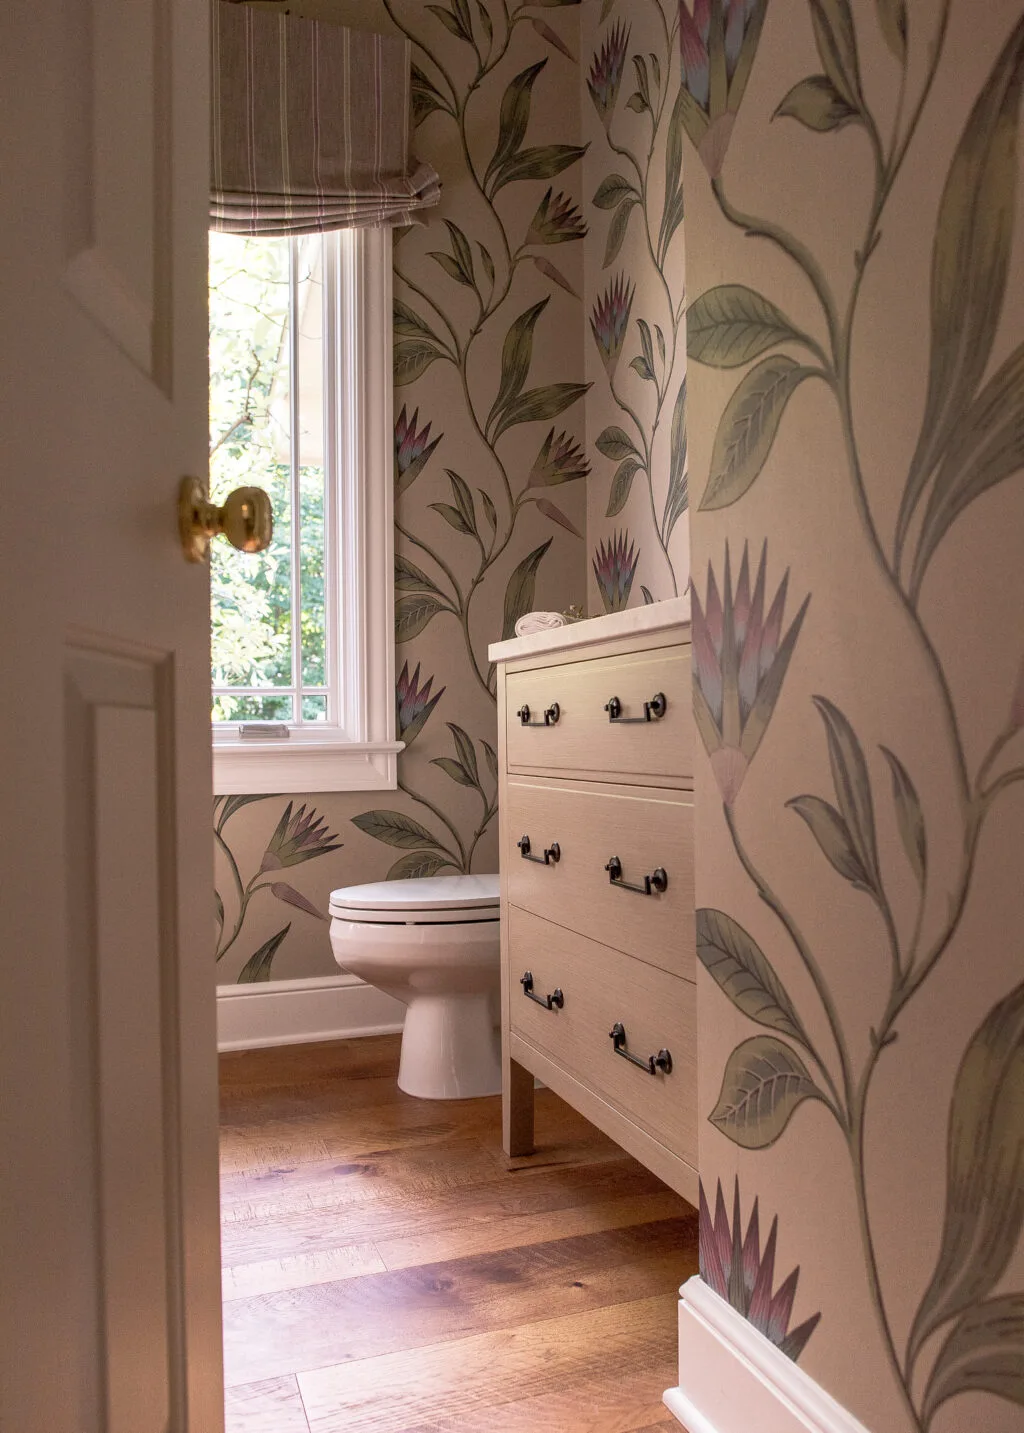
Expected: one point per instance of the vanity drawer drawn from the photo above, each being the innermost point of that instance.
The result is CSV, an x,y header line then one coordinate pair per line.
x,y
582,738
648,831
602,988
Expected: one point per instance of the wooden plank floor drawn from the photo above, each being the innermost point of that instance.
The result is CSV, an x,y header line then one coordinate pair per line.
x,y
388,1270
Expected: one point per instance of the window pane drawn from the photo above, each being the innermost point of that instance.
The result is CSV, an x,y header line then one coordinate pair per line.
x,y
314,708
310,453
250,442
274,708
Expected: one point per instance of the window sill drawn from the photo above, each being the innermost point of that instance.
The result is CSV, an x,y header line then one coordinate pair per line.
x,y
294,767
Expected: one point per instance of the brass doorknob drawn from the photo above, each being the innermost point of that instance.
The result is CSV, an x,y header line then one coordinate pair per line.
x,y
246,519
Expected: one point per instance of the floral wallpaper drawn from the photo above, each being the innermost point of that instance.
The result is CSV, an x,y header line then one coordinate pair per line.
x,y
633,116
490,468
855,333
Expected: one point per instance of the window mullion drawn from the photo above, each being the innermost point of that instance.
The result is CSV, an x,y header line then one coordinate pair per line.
x,y
332,478
294,485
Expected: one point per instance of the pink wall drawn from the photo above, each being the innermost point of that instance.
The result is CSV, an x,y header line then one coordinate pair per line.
x,y
855,253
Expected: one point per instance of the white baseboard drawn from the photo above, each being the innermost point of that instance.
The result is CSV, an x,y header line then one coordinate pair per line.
x,y
297,1012
734,1380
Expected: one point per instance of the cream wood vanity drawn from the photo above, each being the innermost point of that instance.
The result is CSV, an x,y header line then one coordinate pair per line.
x,y
597,917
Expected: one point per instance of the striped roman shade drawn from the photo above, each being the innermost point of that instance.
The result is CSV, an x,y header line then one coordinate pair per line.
x,y
310,126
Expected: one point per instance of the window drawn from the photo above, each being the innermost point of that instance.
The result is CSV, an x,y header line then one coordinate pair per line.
x,y
300,404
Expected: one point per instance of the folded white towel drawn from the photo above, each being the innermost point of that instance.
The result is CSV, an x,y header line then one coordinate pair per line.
x,y
538,622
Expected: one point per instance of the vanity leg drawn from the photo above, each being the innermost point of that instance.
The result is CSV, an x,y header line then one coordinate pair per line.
x,y
516,1108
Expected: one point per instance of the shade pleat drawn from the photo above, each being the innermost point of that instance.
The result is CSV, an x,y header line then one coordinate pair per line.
x,y
310,127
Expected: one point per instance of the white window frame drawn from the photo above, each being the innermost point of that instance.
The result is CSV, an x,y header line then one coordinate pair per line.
x,y
360,752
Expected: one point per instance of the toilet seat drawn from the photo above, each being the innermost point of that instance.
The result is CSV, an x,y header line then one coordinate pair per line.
x,y
426,900
433,943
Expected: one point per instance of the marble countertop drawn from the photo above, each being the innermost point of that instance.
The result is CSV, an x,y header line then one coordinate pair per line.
x,y
655,617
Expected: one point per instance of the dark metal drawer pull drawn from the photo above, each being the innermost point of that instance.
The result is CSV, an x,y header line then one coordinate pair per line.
x,y
661,1061
551,715
656,881
553,1001
654,710
552,853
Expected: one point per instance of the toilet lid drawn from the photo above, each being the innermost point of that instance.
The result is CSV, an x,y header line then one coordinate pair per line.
x,y
426,900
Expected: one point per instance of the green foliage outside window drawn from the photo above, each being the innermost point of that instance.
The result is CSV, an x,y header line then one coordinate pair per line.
x,y
250,377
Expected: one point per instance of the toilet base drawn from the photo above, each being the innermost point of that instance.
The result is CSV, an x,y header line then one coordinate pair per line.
x,y
451,1049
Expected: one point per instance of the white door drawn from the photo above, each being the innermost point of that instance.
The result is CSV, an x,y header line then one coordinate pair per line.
x,y
109,1284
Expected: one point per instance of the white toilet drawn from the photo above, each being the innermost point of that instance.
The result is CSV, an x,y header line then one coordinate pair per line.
x,y
432,943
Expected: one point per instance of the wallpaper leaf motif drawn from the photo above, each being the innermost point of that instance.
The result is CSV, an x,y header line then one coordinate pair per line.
x,y
837,45
985,1177
550,510
764,1083
853,788
412,613
740,968
537,405
513,117
892,16
816,103
520,590
732,325
986,449
982,1354
516,356
407,574
258,966
636,313
833,837
555,221
969,442
970,262
413,356
395,828
678,499
417,865
909,816
291,897
300,835
622,483
612,190
748,427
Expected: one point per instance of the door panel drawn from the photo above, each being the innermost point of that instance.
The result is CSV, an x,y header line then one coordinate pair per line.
x,y
118,942
119,141
110,1316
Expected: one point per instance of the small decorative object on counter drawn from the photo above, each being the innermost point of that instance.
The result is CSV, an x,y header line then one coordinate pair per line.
x,y
539,622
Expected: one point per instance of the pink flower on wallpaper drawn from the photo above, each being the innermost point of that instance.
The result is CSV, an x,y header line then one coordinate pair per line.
x,y
740,659
560,460
414,702
735,1267
609,320
412,449
606,72
710,114
298,837
614,566
557,221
